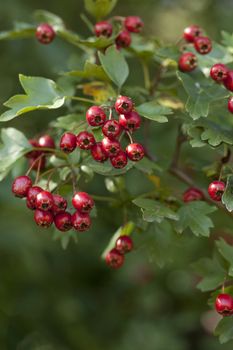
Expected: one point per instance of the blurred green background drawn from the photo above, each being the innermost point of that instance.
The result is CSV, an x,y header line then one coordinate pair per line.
x,y
68,300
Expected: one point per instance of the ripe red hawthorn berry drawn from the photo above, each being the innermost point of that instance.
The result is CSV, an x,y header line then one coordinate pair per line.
x,y
85,140
124,244
133,24
43,218
37,162
230,104
228,81
111,147
111,129
103,28
95,116
203,44
98,153
59,204
224,304
33,154
45,33
68,142
123,39
114,259
31,196
135,151
187,62
191,32
120,160
192,194
83,202
46,141
123,105
81,221
63,221
218,72
21,185
130,121
44,200
216,190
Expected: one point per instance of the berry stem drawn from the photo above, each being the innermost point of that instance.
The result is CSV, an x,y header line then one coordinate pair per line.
x,y
82,99
129,136
33,163
146,75
38,169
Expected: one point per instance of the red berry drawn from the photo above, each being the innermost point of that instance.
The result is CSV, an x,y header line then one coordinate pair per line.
x,y
111,129
192,194
98,153
191,32
45,33
46,141
59,204
83,202
135,151
85,140
21,185
228,81
187,62
81,221
230,104
68,142
203,44
31,196
43,218
133,24
123,105
37,162
120,160
224,304
216,190
63,221
218,72
44,200
103,28
33,154
114,259
130,121
124,244
123,39
111,147
95,116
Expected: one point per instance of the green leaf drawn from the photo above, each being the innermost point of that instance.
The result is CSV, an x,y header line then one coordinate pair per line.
x,y
154,210
99,8
171,52
193,215
72,122
224,329
226,251
41,93
115,65
106,168
42,16
147,166
18,33
227,197
152,110
91,71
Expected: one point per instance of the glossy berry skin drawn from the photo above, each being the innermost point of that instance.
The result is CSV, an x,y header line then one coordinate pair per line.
x,y
45,34
230,104
135,152
111,129
95,116
130,122
114,259
133,24
111,147
37,162
123,105
191,32
63,221
203,44
59,204
120,160
81,221
46,141
216,189
83,202
228,81
85,140
103,28
187,62
43,218
124,244
224,304
192,194
218,72
98,153
21,185
68,142
33,154
123,39
31,196
44,200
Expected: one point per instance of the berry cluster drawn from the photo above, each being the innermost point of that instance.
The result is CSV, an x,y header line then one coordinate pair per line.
x,y
131,24
116,257
110,146
49,208
202,44
224,304
37,158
